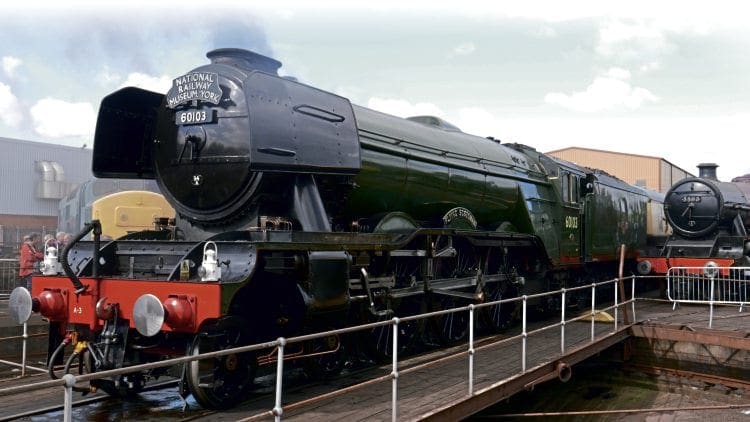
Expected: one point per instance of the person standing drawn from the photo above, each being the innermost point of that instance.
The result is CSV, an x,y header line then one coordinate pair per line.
x,y
30,255
47,237
67,239
62,240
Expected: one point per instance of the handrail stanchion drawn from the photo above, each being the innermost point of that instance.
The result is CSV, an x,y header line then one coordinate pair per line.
x,y
23,349
593,310
471,349
711,302
673,292
70,381
562,325
617,306
394,374
625,317
523,337
277,409
632,301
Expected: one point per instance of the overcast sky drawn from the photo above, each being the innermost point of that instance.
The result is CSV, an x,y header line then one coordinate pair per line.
x,y
655,78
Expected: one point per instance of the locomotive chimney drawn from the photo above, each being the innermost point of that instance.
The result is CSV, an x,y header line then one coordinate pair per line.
x,y
244,59
707,171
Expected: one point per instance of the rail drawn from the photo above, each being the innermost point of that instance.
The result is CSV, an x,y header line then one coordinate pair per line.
x,y
709,285
69,380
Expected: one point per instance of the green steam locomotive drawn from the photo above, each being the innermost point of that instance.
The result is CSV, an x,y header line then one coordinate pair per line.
x,y
298,211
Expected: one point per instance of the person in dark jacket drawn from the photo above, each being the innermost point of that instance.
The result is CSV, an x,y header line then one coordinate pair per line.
x,y
31,254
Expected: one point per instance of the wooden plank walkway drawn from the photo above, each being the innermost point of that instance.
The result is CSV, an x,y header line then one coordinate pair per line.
x,y
433,387
436,391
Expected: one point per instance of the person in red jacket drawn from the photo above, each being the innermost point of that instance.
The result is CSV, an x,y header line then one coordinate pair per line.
x,y
30,255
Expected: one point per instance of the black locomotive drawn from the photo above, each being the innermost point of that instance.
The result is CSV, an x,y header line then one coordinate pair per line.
x,y
709,221
298,210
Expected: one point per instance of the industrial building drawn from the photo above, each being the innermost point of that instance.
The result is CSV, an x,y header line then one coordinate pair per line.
x,y
654,173
34,176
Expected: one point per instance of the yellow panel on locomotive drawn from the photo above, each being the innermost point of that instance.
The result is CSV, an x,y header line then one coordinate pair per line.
x,y
126,212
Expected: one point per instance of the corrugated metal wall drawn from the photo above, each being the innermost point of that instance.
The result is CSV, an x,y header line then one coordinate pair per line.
x,y
653,173
22,175
634,169
671,174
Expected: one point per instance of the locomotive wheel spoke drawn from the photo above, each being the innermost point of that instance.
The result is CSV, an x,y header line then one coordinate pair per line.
x,y
453,327
501,316
222,381
381,338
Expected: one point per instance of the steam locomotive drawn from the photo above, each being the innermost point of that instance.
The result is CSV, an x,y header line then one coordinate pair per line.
x,y
709,221
297,210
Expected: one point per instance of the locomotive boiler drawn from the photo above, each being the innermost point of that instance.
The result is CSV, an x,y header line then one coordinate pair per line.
x,y
298,211
709,220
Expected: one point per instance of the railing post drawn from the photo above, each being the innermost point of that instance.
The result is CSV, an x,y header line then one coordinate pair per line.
x,y
593,310
632,301
671,295
617,306
562,325
70,381
711,303
277,409
523,336
23,349
471,349
619,286
394,373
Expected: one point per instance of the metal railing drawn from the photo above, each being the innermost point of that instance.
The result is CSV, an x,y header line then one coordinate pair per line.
x,y
69,380
11,237
709,285
23,338
9,279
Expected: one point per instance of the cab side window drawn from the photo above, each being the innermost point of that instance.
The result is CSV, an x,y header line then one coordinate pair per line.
x,y
573,188
570,184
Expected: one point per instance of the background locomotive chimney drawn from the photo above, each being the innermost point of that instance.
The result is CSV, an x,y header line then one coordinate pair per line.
x,y
707,171
244,59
